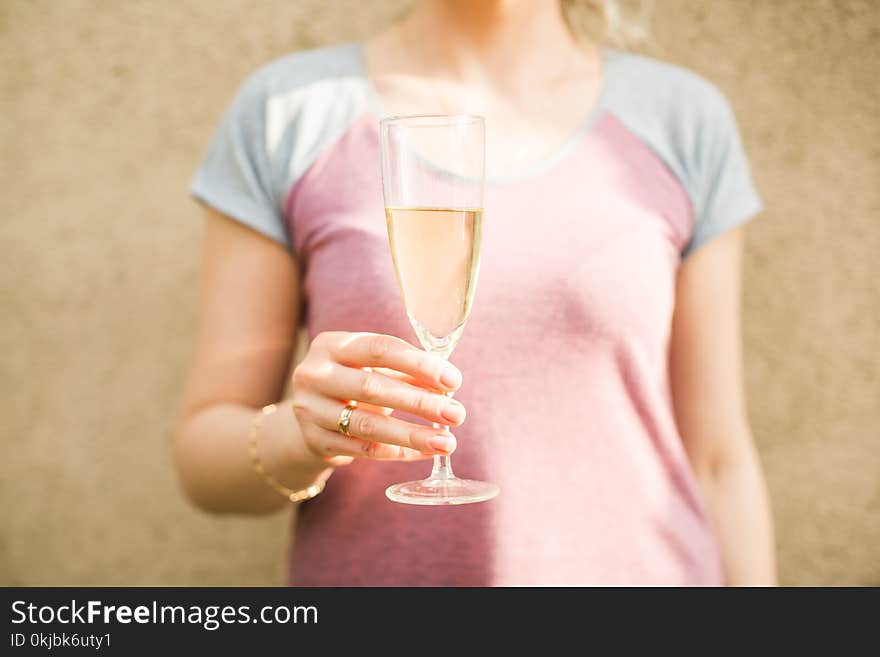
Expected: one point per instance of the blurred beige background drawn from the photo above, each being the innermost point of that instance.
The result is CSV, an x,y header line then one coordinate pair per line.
x,y
107,107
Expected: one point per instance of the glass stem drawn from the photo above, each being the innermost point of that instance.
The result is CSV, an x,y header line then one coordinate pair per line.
x,y
442,463
442,468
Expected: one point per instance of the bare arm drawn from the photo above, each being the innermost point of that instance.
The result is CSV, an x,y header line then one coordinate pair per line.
x,y
707,390
248,314
247,318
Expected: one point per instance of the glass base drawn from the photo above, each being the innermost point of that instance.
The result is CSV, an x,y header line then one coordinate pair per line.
x,y
434,492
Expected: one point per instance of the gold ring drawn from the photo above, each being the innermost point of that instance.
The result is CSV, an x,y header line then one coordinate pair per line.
x,y
345,418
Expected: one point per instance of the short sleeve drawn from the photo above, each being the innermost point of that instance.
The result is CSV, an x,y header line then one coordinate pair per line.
x,y
724,195
235,176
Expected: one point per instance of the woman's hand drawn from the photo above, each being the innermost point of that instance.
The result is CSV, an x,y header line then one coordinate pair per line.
x,y
381,374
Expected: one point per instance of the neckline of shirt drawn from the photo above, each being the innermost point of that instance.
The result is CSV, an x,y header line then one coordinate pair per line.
x,y
544,164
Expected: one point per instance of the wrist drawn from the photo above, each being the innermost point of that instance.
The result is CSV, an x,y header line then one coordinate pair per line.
x,y
285,452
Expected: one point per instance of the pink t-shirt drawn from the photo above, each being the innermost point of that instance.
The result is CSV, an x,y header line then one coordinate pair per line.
x,y
565,353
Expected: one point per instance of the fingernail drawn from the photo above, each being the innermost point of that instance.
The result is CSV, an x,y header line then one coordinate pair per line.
x,y
450,377
453,411
441,443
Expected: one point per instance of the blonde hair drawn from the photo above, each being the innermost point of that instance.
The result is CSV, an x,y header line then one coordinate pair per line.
x,y
617,23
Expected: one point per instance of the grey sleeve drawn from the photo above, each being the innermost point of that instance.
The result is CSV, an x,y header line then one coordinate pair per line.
x,y
723,193
235,175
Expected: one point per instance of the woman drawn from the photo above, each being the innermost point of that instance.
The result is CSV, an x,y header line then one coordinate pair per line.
x,y
601,364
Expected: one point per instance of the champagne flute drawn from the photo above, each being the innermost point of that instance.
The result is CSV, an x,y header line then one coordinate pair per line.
x,y
432,179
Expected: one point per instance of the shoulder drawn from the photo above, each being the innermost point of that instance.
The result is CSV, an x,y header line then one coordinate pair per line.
x,y
661,89
281,119
688,123
303,101
321,86
685,119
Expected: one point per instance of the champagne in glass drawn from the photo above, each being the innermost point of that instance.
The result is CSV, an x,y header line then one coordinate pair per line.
x,y
436,254
432,180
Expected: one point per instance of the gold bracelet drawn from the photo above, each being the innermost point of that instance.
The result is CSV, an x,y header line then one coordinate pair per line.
x,y
292,495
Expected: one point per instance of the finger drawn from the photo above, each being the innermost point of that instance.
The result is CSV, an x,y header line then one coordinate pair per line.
x,y
332,444
379,410
383,410
377,350
406,378
339,382
379,428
